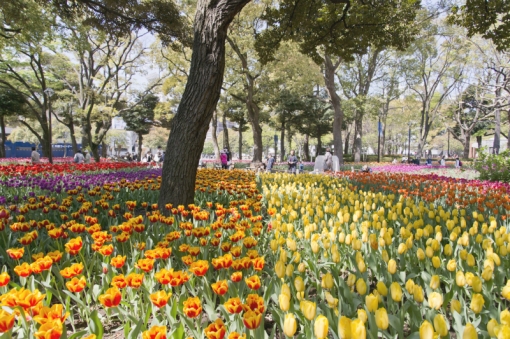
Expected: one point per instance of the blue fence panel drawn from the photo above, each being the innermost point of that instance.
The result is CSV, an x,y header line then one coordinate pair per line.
x,y
24,149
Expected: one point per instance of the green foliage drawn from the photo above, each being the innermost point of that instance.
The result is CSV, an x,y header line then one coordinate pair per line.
x,y
340,28
11,102
140,117
491,19
493,167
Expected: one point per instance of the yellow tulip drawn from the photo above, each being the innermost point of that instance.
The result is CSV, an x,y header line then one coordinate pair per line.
x,y
362,315
469,332
491,325
321,327
372,302
504,317
426,330
452,265
487,273
477,303
440,325
418,294
351,280
434,282
410,286
290,325
381,318
420,254
460,279
455,306
285,290
476,283
361,286
436,262
299,284
308,308
280,269
327,281
344,328
284,301
470,260
332,301
301,267
435,300
383,290
396,292
358,329
505,292
504,332
392,266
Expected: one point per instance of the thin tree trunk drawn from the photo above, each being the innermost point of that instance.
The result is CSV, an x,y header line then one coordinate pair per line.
x,y
497,131
467,145
190,124
306,147
2,137
104,148
254,114
282,142
329,79
240,142
358,134
346,148
140,141
214,136
226,142
479,142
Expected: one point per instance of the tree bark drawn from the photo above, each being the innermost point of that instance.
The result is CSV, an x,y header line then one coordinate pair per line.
x,y
2,137
306,146
508,139
140,141
497,131
329,79
214,136
282,142
346,150
467,145
190,124
240,142
226,142
358,133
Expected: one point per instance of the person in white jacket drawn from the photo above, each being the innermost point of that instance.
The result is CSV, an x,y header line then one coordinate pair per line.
x,y
87,157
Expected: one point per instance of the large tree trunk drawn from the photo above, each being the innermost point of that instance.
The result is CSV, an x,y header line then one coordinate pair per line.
x,y
73,138
226,142
190,124
254,114
104,149
329,79
306,147
2,137
214,136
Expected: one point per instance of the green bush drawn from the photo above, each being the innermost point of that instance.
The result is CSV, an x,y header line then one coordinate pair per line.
x,y
493,167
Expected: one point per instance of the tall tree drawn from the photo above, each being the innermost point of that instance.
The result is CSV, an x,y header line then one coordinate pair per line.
x,y
11,103
236,114
140,117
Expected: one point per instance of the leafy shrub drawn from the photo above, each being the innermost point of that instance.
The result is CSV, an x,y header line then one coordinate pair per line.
x,y
493,167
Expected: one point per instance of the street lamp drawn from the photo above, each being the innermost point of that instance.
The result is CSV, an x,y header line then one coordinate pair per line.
x,y
49,92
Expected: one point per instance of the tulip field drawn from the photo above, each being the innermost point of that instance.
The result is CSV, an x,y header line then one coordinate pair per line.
x,y
86,252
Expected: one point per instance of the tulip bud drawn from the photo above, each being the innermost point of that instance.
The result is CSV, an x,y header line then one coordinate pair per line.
x,y
426,330
284,301
299,284
455,306
382,289
476,283
289,270
460,279
381,318
452,265
491,325
361,286
301,267
308,308
321,327
440,325
396,292
362,315
434,282
410,286
327,281
372,302
469,332
418,294
290,325
435,300
477,303
392,266
280,269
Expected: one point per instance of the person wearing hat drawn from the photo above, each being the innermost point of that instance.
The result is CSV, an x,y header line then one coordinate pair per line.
x,y
79,158
87,157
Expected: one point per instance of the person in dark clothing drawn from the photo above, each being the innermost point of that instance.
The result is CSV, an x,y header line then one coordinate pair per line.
x,y
292,161
270,163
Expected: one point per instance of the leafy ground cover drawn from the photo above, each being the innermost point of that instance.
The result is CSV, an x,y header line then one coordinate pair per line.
x,y
352,255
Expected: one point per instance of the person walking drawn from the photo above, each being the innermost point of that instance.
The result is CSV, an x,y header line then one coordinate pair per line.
x,y
328,160
270,163
292,162
224,160
35,157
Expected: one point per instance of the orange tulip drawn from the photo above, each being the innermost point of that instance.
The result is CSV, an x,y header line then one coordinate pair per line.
x,y
23,270
72,271
74,246
236,276
216,330
233,305
50,330
252,319
258,263
76,285
145,265
253,282
199,267
155,332
6,321
119,281
192,307
27,299
111,298
134,280
47,314
4,279
160,298
118,261
106,250
235,335
16,253
254,302
220,287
